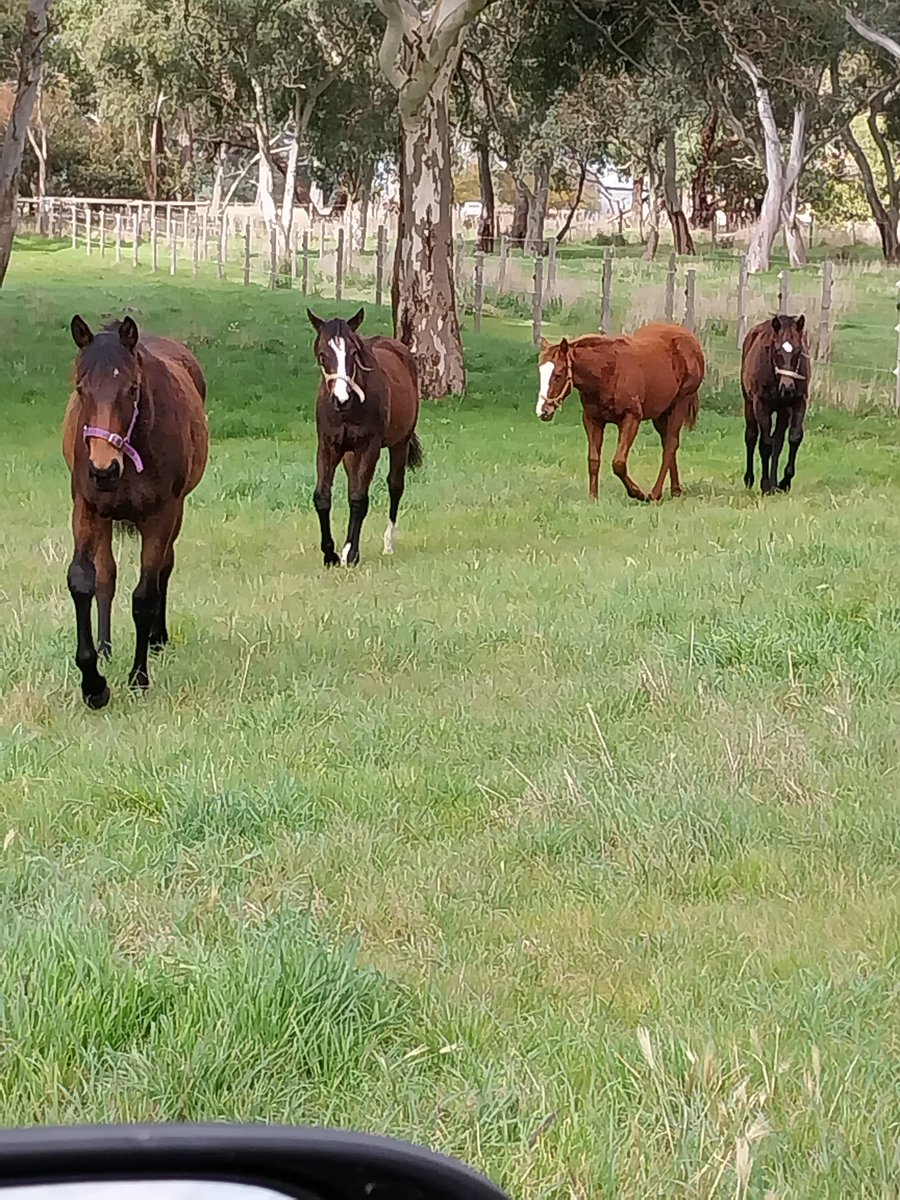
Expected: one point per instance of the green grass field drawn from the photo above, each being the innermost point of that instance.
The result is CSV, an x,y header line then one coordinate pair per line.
x,y
566,840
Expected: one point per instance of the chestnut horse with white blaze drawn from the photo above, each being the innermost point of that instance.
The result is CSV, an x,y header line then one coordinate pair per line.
x,y
368,400
653,375
135,440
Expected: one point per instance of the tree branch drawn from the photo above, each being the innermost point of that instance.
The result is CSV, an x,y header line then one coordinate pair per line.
x,y
873,35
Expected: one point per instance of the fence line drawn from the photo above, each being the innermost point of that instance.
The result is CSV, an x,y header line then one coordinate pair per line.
x,y
244,250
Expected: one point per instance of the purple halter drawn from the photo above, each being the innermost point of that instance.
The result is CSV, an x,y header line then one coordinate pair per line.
x,y
116,439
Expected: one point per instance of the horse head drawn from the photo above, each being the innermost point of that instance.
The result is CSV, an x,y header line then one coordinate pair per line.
x,y
108,383
555,374
789,351
341,356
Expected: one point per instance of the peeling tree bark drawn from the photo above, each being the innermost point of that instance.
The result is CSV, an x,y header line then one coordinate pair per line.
x,y
521,204
579,192
418,57
780,200
681,232
486,226
537,213
31,62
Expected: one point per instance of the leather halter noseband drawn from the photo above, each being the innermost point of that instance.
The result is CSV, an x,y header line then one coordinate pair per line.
x,y
567,387
116,439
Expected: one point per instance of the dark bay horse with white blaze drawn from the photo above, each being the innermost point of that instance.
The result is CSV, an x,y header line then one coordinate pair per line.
x,y
653,375
135,440
775,374
368,399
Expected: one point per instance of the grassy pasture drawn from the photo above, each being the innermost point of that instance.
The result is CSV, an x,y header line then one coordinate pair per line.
x,y
566,840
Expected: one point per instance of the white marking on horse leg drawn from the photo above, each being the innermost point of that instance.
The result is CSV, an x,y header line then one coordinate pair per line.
x,y
545,370
345,554
390,535
341,391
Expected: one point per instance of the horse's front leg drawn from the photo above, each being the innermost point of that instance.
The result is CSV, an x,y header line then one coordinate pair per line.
x,y
628,429
157,535
594,430
105,564
327,459
360,468
795,437
781,424
88,531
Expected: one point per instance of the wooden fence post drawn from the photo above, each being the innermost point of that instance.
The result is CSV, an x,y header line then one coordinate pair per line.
x,y
670,286
169,221
102,230
784,291
379,266
273,257
742,303
118,237
504,255
74,226
88,229
136,238
690,319
154,240
293,253
173,268
606,294
247,252
304,278
321,247
339,265
479,288
823,350
551,269
459,259
538,301
196,241
205,251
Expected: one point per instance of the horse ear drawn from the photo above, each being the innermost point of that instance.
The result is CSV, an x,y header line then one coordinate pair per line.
x,y
776,324
357,320
315,321
564,346
801,321
81,332
128,334
545,344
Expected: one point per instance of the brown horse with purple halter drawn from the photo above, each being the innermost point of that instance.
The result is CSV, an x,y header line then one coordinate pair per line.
x,y
135,440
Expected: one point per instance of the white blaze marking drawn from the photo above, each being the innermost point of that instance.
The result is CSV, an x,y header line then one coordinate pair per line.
x,y
788,348
115,373
345,554
545,370
341,391
389,535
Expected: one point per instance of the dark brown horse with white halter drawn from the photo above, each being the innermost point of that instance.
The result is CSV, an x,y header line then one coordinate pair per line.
x,y
368,399
775,372
135,440
653,375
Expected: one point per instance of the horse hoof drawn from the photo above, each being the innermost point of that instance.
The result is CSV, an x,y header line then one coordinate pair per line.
x,y
100,700
784,486
139,681
330,559
104,650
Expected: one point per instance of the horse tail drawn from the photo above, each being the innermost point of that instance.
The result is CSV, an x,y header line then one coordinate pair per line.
x,y
413,451
693,408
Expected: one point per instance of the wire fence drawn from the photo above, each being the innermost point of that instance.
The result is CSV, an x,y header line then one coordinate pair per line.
x,y
851,308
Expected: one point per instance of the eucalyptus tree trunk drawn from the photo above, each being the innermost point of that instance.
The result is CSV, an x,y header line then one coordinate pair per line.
x,y
521,206
537,213
681,233
419,55
486,222
28,82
